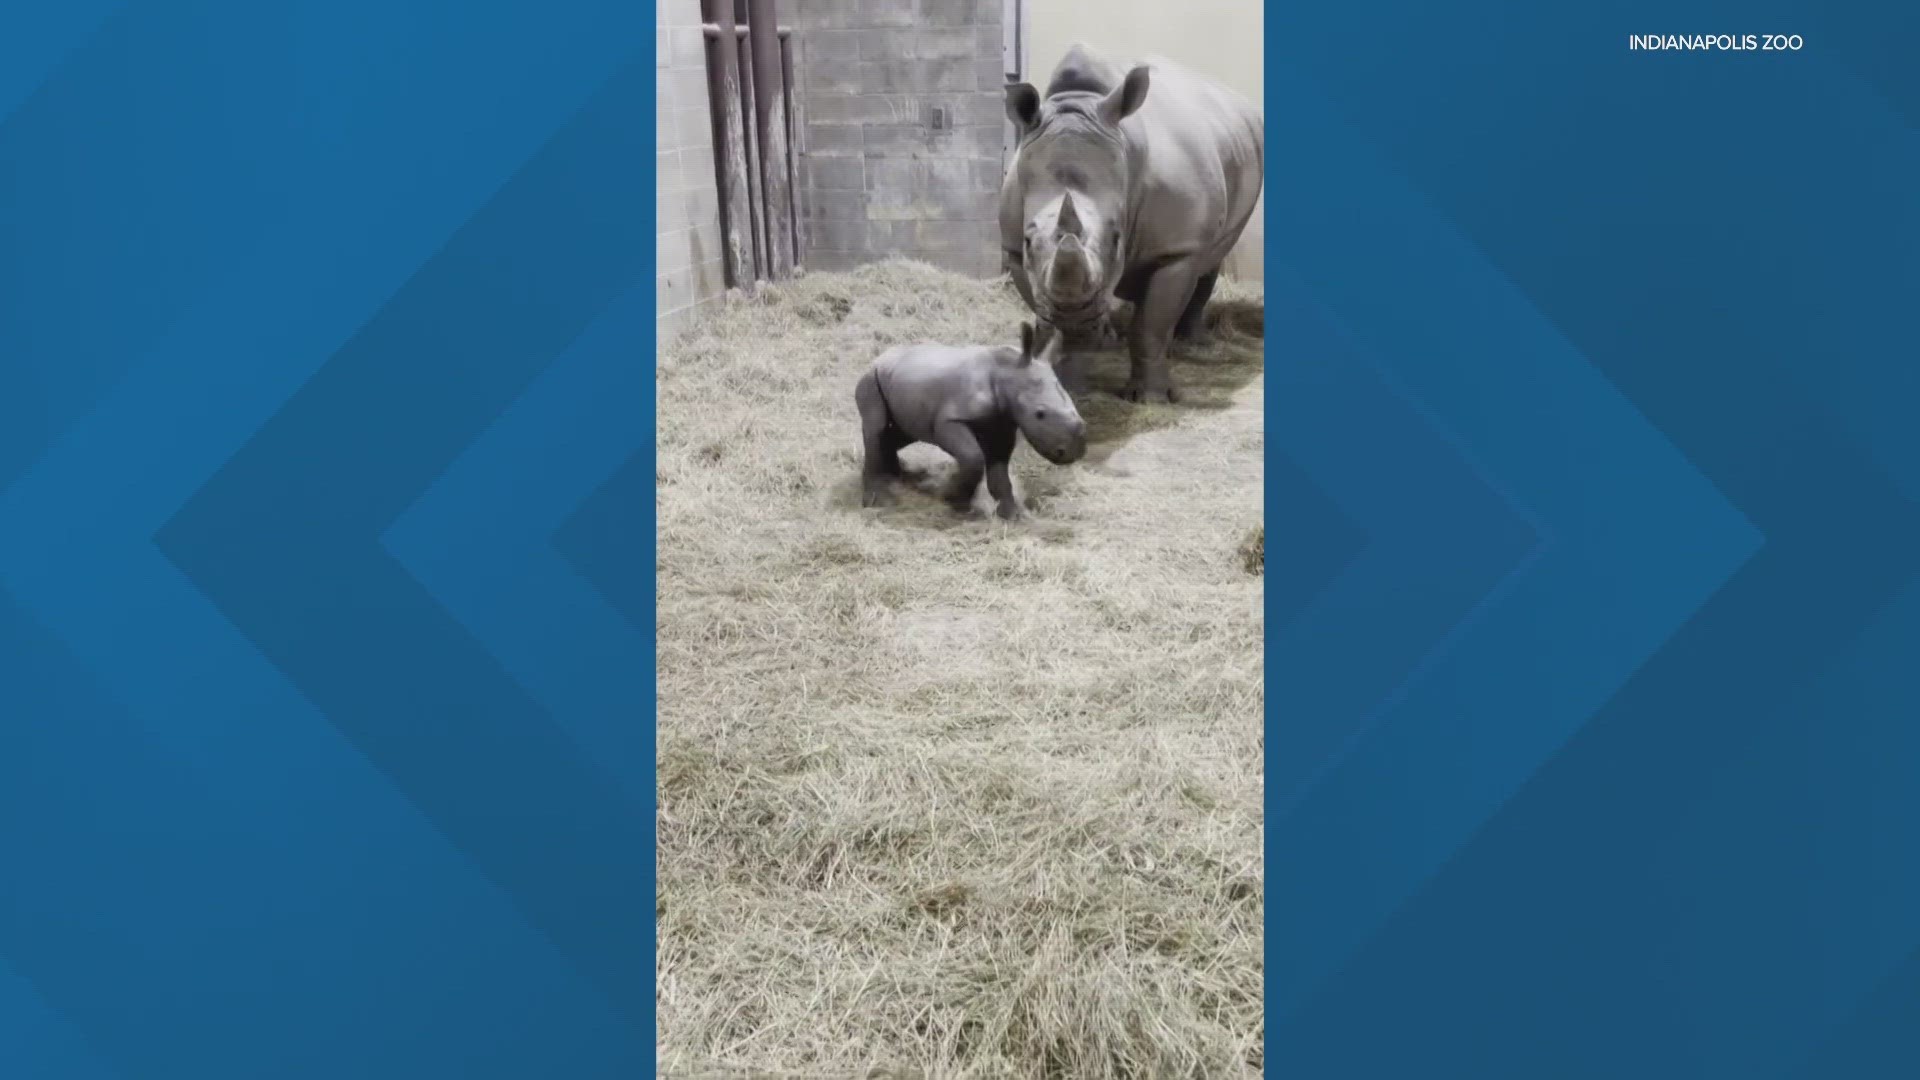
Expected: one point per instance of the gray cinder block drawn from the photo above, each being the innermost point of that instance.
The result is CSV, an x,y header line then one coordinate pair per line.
x,y
897,139
982,109
689,87
887,12
830,139
824,47
920,76
984,138
837,206
686,48
673,250
842,76
950,13
841,235
888,43
833,174
945,45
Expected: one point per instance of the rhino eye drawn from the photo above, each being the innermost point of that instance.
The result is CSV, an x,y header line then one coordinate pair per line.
x,y
1039,414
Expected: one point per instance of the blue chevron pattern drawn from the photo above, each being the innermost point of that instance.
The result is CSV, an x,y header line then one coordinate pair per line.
x,y
1618,778
598,538
506,579
326,578
318,760
1318,543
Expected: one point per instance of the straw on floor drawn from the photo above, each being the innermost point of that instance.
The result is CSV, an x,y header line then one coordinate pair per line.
x,y
944,796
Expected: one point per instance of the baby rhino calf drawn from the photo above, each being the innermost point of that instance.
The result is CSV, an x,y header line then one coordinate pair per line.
x,y
968,401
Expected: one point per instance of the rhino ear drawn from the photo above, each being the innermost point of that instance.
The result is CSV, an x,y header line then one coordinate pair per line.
x,y
1023,106
1127,97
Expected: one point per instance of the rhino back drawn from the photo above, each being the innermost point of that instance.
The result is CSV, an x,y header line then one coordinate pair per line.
x,y
926,382
1196,164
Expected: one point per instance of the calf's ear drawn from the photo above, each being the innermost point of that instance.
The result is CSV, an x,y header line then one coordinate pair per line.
x,y
1026,343
1126,98
1023,106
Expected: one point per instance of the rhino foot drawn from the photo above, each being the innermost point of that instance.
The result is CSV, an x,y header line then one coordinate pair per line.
x,y
1150,395
1011,511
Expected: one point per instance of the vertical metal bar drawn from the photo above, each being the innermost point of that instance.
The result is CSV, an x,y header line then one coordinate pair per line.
x,y
770,122
1019,42
756,200
793,144
729,144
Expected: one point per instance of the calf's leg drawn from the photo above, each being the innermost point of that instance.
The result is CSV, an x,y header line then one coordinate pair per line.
x,y
880,460
958,440
1000,486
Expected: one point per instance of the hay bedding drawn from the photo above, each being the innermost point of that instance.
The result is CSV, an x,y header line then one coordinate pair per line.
x,y
943,796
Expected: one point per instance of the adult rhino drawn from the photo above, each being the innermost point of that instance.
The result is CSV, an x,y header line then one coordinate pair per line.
x,y
1130,184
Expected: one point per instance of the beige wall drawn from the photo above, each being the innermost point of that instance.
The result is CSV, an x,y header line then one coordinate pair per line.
x,y
1220,38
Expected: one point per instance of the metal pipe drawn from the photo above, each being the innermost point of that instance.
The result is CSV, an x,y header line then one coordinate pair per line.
x,y
770,124
756,198
793,125
729,147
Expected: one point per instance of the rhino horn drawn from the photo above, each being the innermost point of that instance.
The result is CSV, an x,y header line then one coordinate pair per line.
x,y
1068,275
1069,217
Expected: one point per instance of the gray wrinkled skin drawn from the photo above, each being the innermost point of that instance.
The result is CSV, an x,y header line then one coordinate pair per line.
x,y
1130,184
970,401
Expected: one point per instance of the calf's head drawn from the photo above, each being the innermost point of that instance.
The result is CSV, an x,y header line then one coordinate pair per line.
x,y
1027,387
1071,173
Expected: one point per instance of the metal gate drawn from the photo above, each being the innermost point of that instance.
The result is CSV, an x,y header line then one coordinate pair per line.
x,y
750,88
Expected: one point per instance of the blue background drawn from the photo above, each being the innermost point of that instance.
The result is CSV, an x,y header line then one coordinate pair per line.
x,y
1594,640
325,541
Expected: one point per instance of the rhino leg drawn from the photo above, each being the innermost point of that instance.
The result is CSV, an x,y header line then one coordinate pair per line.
x,y
1072,368
1191,320
1168,292
970,462
880,444
997,442
1000,486
1072,372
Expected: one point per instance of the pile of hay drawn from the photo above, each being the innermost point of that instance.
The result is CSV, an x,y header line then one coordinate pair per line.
x,y
944,796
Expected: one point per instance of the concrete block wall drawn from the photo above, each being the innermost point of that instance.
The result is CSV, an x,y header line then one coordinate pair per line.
x,y
877,175
690,272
